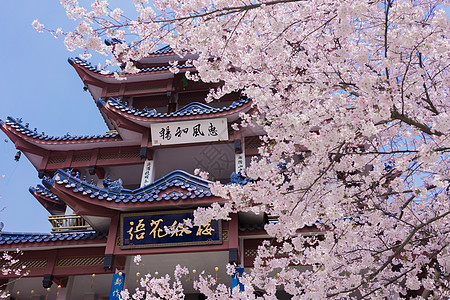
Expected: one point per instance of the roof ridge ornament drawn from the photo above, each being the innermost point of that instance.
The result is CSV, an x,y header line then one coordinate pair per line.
x,y
194,107
115,186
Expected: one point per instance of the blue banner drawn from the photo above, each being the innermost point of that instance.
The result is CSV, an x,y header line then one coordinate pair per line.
x,y
147,230
235,279
117,286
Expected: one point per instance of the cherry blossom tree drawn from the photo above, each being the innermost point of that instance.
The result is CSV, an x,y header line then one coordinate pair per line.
x,y
354,99
10,263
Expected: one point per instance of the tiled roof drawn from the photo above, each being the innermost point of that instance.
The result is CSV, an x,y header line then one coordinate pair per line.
x,y
23,237
164,50
45,192
87,65
17,125
191,186
191,109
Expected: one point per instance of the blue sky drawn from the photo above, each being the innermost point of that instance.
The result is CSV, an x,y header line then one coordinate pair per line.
x,y
40,86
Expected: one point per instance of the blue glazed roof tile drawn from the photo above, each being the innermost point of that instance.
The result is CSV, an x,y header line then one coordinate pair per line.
x,y
45,192
192,109
193,186
164,50
23,129
23,237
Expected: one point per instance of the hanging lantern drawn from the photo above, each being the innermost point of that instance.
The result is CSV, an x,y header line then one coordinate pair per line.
x,y
17,156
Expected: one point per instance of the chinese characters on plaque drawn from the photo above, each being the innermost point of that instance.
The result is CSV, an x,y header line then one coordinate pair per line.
x,y
239,162
235,279
147,230
205,130
147,173
117,286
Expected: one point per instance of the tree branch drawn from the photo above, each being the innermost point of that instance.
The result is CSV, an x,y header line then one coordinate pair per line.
x,y
226,10
395,115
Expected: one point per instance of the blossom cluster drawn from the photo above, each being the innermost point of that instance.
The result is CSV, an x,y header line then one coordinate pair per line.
x,y
10,264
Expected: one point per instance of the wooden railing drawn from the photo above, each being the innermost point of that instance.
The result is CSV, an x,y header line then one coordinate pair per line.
x,y
68,222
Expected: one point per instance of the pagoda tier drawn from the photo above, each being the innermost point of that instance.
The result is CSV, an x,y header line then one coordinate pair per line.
x,y
155,77
125,133
131,126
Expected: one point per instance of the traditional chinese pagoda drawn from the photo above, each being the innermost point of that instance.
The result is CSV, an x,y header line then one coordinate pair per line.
x,y
111,196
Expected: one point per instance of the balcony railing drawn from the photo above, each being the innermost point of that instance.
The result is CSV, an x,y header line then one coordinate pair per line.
x,y
68,223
